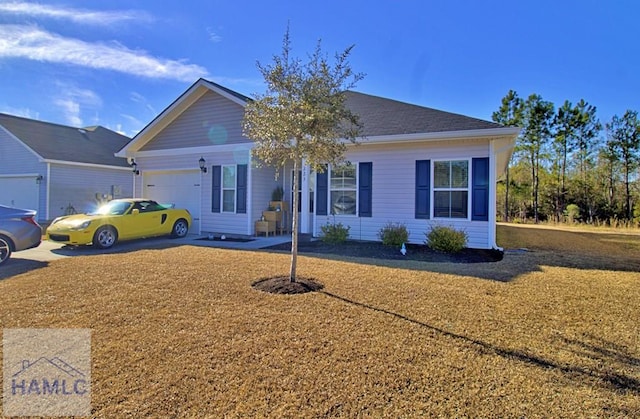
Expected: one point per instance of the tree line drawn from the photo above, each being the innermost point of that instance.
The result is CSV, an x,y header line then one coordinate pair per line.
x,y
568,165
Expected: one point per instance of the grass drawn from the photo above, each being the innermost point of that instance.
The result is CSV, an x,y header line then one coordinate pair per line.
x,y
181,333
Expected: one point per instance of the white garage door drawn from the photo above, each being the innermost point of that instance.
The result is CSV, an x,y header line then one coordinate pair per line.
x,y
181,187
20,192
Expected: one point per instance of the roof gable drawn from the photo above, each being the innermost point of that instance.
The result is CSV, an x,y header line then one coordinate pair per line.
x,y
177,108
91,145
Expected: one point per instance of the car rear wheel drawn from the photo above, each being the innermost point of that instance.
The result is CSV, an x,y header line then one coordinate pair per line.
x,y
105,237
5,249
180,228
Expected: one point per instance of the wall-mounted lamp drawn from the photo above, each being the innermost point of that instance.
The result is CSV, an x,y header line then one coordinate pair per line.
x,y
134,167
202,163
39,179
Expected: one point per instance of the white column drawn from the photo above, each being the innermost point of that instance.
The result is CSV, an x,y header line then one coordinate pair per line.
x,y
492,195
304,207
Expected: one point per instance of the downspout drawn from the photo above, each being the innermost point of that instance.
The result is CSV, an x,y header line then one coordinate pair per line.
x,y
48,193
492,196
250,223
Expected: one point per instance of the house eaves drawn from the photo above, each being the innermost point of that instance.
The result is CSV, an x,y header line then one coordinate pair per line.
x,y
90,165
443,136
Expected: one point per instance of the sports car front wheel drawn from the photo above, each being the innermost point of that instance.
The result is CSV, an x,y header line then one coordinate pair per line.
x,y
105,237
180,228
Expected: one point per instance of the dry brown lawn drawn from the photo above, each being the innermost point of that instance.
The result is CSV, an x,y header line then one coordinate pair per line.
x,y
181,333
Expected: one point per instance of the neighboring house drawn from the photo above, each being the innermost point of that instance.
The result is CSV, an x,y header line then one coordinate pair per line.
x,y
56,169
415,165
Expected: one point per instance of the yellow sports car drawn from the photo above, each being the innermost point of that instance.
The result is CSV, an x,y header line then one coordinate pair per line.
x,y
120,219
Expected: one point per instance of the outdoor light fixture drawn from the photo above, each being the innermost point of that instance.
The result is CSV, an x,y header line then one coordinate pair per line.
x,y
134,167
202,163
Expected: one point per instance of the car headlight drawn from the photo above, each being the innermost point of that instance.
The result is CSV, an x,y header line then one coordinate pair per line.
x,y
80,226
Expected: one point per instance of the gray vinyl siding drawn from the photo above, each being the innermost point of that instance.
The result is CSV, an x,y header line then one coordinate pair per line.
x,y
211,120
77,186
16,159
393,197
259,193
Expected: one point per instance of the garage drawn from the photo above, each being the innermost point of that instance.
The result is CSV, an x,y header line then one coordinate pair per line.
x,y
178,187
19,191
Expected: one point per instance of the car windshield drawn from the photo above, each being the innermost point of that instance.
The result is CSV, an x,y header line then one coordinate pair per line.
x,y
112,208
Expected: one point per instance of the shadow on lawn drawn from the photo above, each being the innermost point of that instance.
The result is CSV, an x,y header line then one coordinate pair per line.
x,y
514,263
17,266
608,378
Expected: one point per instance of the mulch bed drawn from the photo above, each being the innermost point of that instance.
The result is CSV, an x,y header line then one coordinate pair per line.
x,y
377,250
283,285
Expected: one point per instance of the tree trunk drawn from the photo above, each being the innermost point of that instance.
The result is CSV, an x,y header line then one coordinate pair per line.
x,y
563,187
627,204
535,161
294,223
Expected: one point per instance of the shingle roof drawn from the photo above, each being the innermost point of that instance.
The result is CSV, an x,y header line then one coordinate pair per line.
x,y
94,145
381,116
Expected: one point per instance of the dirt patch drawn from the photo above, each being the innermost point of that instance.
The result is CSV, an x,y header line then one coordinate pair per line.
x,y
283,285
377,250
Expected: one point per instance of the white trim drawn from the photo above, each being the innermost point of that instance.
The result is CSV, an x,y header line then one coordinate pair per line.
x,y
235,189
443,135
222,92
451,189
249,200
93,165
172,152
33,175
48,192
492,197
356,174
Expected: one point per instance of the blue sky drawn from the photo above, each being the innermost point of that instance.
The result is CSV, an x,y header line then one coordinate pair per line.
x,y
120,63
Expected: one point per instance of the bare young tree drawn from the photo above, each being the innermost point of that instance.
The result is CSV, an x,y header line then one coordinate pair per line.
x,y
302,117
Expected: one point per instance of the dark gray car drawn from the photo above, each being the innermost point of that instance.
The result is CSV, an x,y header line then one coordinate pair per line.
x,y
19,230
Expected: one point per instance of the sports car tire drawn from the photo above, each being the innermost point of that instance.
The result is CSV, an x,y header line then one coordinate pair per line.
x,y
5,249
180,228
105,237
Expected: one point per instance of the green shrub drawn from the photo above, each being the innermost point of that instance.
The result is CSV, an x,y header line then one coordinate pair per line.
x,y
446,239
572,213
334,233
393,234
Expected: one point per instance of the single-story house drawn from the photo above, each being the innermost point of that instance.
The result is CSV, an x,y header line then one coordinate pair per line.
x,y
415,165
56,169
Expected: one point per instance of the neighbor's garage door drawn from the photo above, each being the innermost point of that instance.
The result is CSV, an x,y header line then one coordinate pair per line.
x,y
20,192
181,188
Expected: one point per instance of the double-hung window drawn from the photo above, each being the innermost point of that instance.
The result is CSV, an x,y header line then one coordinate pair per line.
x,y
451,189
343,185
229,188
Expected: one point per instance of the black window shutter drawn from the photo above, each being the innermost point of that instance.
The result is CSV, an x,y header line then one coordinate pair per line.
x,y
365,190
423,188
216,188
480,189
241,190
322,191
